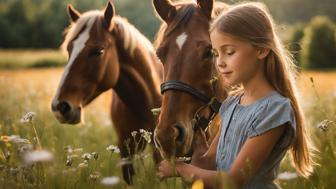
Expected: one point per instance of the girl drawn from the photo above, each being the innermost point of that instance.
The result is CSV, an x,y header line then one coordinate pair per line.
x,y
262,120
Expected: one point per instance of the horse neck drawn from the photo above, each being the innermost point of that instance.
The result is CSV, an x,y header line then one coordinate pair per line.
x,y
137,86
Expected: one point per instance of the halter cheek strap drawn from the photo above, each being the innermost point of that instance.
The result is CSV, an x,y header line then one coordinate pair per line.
x,y
212,103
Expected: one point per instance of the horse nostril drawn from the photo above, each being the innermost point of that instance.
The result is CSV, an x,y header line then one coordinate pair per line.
x,y
64,107
180,133
53,107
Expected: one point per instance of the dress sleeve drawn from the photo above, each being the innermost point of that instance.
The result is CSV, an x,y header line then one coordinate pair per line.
x,y
273,114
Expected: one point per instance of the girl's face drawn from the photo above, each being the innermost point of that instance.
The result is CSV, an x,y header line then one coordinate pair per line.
x,y
237,60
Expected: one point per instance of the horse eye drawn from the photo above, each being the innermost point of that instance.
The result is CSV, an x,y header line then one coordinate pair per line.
x,y
96,52
208,53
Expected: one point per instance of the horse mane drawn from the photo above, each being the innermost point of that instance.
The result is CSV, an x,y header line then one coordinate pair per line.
x,y
132,36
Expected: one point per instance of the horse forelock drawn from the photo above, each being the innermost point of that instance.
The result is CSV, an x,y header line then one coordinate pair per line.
x,y
77,27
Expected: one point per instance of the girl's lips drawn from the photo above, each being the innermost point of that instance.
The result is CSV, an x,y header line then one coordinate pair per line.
x,y
226,73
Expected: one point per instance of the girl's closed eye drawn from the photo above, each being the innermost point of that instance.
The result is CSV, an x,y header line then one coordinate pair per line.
x,y
229,52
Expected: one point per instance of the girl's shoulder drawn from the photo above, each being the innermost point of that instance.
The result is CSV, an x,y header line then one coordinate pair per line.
x,y
275,110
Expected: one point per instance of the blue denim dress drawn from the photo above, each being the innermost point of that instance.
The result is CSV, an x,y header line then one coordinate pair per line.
x,y
242,122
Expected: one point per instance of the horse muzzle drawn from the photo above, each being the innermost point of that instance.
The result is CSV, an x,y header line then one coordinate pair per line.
x,y
65,113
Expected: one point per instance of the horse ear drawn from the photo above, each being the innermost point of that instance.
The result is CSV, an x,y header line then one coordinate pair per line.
x,y
109,13
73,13
165,9
206,6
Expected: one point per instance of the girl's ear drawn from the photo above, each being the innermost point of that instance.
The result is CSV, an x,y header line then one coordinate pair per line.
x,y
262,53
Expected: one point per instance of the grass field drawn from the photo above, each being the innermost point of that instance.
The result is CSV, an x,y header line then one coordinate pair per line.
x,y
31,90
18,59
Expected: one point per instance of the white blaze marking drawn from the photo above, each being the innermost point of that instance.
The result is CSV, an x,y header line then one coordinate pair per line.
x,y
181,39
78,46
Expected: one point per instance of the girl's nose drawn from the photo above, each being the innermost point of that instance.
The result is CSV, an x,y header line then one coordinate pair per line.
x,y
220,63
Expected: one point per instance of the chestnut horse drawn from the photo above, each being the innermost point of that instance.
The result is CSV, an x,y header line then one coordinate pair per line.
x,y
191,98
106,52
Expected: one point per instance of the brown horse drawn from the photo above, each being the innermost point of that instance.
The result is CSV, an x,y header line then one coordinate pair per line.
x,y
106,52
184,47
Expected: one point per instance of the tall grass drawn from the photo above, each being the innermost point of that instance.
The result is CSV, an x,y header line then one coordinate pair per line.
x,y
80,155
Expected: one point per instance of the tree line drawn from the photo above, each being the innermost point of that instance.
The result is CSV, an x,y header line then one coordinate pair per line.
x,y
40,24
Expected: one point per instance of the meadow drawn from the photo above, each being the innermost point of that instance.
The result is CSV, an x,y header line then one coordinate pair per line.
x,y
84,155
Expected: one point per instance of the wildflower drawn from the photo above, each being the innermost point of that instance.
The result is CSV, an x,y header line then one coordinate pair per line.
x,y
68,149
113,149
95,155
94,176
323,126
28,118
4,138
146,135
184,159
156,111
198,184
23,148
84,164
78,150
124,161
110,181
12,138
37,156
134,133
21,141
213,80
68,162
287,176
87,156
15,138
7,155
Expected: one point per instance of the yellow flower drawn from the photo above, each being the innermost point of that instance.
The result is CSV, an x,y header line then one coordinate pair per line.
x,y
198,184
4,138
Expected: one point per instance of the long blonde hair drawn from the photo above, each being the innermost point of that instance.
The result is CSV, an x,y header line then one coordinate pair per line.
x,y
252,22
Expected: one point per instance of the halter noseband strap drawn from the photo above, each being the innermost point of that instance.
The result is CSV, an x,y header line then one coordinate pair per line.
x,y
212,103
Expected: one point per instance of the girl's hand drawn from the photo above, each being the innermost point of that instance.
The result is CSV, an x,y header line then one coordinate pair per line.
x,y
166,169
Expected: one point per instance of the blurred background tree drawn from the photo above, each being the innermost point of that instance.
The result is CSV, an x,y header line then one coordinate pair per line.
x,y
319,44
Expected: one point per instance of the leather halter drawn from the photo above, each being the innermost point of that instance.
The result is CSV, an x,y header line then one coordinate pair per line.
x,y
212,103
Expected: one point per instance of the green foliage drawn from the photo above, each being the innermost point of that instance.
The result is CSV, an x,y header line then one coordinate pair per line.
x,y
40,23
292,11
319,44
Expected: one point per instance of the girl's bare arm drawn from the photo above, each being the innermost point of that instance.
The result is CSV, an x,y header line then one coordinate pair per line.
x,y
253,153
